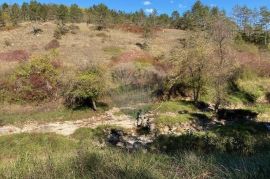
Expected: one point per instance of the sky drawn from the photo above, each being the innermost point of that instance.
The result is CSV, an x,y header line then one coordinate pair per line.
x,y
162,6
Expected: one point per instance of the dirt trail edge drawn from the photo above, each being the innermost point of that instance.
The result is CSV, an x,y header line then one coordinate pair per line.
x,y
69,127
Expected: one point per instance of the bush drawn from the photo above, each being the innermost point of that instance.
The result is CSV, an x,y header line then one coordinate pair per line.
x,y
35,80
53,44
60,31
74,29
87,87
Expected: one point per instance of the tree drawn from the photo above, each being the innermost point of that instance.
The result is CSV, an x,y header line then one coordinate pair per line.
x,y
175,19
34,11
200,15
75,13
15,14
5,15
193,63
243,16
62,14
101,15
86,88
265,23
43,11
25,11
139,17
222,35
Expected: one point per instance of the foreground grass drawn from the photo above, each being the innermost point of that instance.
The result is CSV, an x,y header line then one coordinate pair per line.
x,y
79,156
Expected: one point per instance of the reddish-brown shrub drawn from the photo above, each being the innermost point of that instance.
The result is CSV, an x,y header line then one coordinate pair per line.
x,y
52,45
16,55
139,56
255,63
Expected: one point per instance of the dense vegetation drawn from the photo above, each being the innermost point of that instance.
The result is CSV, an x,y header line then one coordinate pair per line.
x,y
209,92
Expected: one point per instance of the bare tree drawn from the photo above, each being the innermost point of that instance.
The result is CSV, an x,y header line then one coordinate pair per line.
x,y
222,35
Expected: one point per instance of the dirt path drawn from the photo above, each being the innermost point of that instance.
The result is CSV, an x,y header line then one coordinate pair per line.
x,y
69,127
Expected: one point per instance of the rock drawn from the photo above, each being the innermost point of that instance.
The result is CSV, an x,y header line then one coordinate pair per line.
x,y
138,145
267,126
115,136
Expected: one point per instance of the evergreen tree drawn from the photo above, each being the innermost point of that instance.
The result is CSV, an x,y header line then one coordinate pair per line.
x,y
62,14
75,13
25,11
15,14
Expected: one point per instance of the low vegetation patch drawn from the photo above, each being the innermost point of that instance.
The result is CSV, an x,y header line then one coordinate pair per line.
x,y
53,44
16,55
112,50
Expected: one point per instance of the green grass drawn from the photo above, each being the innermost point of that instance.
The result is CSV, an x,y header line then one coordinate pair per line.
x,y
263,110
48,115
166,120
257,87
17,145
54,156
174,106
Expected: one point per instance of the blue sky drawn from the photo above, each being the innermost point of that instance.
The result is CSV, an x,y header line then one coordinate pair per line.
x,y
162,6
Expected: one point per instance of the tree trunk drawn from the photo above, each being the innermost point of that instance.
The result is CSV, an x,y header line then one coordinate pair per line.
x,y
93,104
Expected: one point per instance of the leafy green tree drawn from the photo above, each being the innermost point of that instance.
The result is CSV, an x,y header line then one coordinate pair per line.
x,y
5,7
193,64
87,87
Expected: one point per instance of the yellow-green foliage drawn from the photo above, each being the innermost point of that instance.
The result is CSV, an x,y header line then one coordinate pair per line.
x,y
87,85
256,87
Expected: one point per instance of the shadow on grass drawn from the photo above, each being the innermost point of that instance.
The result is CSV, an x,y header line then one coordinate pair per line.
x,y
242,136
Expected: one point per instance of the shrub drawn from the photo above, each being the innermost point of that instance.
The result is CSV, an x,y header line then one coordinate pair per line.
x,y
35,80
36,30
53,44
74,29
87,87
60,31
